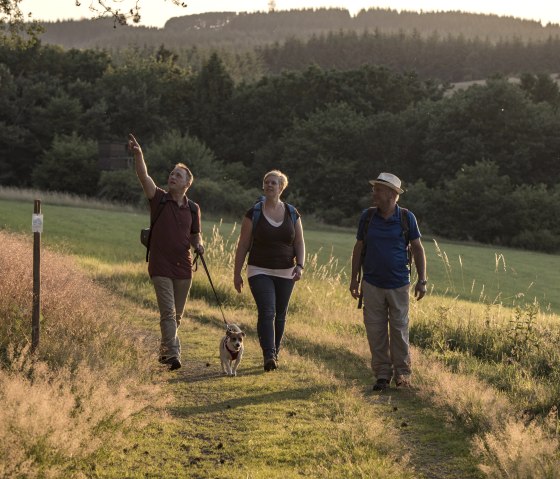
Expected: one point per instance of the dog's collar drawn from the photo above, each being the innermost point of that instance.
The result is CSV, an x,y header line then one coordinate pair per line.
x,y
234,354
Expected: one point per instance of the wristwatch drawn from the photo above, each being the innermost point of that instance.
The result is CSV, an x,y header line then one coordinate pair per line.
x,y
423,282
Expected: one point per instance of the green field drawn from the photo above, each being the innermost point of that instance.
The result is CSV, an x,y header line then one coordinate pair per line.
x,y
480,369
474,272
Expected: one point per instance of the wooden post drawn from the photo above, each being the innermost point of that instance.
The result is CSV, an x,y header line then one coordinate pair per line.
x,y
37,227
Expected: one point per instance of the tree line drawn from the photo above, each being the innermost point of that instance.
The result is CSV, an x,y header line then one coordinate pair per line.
x,y
450,59
453,58
480,164
267,43
249,30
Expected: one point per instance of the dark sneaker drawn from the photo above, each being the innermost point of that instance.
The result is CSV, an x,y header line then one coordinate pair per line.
x,y
381,384
270,364
174,363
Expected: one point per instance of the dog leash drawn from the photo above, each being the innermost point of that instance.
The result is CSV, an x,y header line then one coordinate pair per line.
x,y
198,255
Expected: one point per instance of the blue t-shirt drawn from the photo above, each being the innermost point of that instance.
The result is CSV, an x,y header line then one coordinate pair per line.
x,y
386,260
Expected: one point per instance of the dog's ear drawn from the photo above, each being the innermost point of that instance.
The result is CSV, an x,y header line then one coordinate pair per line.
x,y
243,334
228,333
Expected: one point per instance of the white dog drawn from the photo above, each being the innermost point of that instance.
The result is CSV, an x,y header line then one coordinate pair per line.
x,y
231,349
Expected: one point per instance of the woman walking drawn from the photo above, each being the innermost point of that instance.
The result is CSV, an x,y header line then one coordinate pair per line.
x,y
272,234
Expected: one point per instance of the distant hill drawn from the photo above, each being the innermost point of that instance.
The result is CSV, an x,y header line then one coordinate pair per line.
x,y
248,30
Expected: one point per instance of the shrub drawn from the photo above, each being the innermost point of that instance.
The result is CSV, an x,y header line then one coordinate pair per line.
x,y
121,186
70,165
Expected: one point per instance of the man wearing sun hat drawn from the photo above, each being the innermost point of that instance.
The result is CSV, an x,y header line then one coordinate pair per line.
x,y
381,251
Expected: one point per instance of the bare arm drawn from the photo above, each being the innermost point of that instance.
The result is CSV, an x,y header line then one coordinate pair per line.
x,y
356,266
196,243
420,262
196,238
243,245
299,246
146,181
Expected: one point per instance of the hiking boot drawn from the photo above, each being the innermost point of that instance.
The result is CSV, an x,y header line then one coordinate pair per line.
x,y
402,381
381,384
270,364
174,363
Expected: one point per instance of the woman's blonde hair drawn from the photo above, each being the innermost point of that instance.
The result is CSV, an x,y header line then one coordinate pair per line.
x,y
283,178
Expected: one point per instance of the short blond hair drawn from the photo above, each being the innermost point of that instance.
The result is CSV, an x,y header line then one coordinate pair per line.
x,y
190,176
283,178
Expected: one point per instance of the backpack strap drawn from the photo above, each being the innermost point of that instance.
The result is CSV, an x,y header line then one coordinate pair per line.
x,y
194,211
293,212
161,205
405,225
370,212
257,211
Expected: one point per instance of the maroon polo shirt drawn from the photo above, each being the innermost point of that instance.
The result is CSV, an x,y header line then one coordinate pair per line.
x,y
170,244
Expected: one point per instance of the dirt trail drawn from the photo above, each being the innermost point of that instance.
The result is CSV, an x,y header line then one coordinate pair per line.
x,y
214,424
437,448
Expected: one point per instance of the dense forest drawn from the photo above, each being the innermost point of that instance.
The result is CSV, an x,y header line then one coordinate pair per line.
x,y
486,157
448,46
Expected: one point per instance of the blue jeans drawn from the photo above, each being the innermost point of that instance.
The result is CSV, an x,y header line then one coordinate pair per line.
x,y
272,295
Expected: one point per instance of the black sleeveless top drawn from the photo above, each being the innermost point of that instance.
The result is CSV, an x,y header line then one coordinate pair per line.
x,y
273,247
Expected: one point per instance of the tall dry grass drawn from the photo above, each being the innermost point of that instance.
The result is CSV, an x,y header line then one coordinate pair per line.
x,y
509,444
88,375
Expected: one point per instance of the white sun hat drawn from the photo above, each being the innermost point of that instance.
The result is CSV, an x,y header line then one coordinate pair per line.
x,y
390,180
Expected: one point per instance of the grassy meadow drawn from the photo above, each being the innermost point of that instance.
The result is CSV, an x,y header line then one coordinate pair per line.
x,y
485,359
479,273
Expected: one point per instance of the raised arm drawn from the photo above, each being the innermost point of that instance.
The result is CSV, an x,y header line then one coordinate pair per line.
x,y
146,181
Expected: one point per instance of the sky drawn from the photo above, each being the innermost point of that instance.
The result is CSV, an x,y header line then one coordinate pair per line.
x,y
157,12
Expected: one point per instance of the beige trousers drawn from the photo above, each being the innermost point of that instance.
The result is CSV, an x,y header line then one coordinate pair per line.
x,y
386,322
171,297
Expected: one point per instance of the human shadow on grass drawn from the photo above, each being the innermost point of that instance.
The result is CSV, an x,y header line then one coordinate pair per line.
x,y
340,362
242,401
197,371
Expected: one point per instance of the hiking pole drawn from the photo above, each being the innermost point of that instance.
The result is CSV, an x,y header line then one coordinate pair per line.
x,y
198,255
